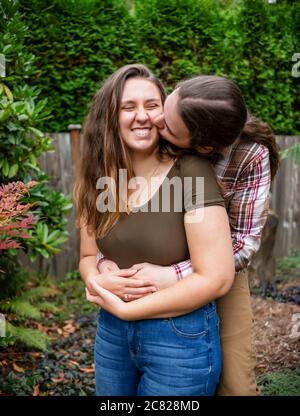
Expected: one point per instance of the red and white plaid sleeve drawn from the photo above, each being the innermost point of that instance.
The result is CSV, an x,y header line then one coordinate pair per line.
x,y
183,269
248,209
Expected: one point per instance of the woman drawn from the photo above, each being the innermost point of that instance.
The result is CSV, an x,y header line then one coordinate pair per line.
x,y
166,343
208,114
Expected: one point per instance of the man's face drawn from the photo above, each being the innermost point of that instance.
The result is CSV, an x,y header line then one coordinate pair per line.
x,y
170,125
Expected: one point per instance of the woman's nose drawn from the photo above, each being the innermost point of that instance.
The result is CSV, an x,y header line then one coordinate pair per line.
x,y
159,121
142,115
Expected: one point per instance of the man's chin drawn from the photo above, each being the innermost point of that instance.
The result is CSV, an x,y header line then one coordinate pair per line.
x,y
174,142
163,136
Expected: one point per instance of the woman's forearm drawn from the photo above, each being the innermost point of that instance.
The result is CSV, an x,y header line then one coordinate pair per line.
x,y
87,268
185,296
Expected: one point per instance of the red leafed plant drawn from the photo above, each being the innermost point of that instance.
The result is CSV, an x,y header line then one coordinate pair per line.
x,y
13,221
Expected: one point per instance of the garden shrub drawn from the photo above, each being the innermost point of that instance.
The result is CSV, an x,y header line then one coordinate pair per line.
x,y
78,44
22,114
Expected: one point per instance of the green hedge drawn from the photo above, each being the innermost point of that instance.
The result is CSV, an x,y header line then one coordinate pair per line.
x,y
79,43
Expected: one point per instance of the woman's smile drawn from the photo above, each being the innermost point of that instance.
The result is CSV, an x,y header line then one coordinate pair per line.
x,y
142,132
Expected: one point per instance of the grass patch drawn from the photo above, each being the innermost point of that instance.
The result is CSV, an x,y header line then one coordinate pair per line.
x,y
288,267
72,299
283,383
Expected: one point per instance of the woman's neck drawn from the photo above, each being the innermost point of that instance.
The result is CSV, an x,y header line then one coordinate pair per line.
x,y
142,164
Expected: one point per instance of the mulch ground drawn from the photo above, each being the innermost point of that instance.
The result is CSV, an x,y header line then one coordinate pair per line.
x,y
276,334
67,368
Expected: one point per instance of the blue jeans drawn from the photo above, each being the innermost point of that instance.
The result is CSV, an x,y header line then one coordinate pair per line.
x,y
158,357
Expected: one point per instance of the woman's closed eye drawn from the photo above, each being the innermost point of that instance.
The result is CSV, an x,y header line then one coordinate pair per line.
x,y
152,106
128,108
147,108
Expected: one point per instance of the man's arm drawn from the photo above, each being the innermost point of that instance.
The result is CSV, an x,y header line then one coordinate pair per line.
x,y
247,212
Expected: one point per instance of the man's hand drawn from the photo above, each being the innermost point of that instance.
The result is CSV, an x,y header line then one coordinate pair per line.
x,y
160,276
121,283
107,266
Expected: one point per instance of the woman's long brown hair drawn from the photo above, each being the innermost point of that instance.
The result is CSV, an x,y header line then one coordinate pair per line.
x,y
104,153
215,113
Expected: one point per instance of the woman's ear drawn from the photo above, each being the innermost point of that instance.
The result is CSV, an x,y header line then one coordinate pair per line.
x,y
205,149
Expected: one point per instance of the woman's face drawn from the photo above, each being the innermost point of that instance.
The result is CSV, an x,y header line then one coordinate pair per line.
x,y
170,124
140,104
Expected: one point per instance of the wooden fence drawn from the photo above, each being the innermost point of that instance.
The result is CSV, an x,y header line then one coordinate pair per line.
x,y
61,165
285,201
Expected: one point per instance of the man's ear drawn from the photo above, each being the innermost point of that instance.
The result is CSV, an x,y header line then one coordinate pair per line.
x,y
205,149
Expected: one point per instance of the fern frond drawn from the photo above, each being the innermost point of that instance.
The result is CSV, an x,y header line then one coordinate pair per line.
x,y
38,292
47,307
28,336
20,308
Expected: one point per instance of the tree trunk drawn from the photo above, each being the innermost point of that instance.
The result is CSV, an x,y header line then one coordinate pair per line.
x,y
262,267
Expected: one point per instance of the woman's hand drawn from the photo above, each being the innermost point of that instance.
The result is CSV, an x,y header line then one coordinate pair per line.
x,y
121,284
107,300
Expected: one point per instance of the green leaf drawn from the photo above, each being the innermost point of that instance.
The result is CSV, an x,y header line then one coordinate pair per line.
x,y
4,114
13,170
36,132
33,159
8,92
12,126
45,233
53,236
5,168
43,252
40,231
6,48
22,117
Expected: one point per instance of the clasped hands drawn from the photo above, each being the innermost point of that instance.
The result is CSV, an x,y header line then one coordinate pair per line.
x,y
113,288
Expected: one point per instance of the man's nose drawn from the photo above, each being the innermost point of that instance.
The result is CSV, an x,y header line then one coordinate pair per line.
x,y
159,121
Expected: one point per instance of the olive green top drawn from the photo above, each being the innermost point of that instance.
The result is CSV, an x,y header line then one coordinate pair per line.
x,y
158,236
